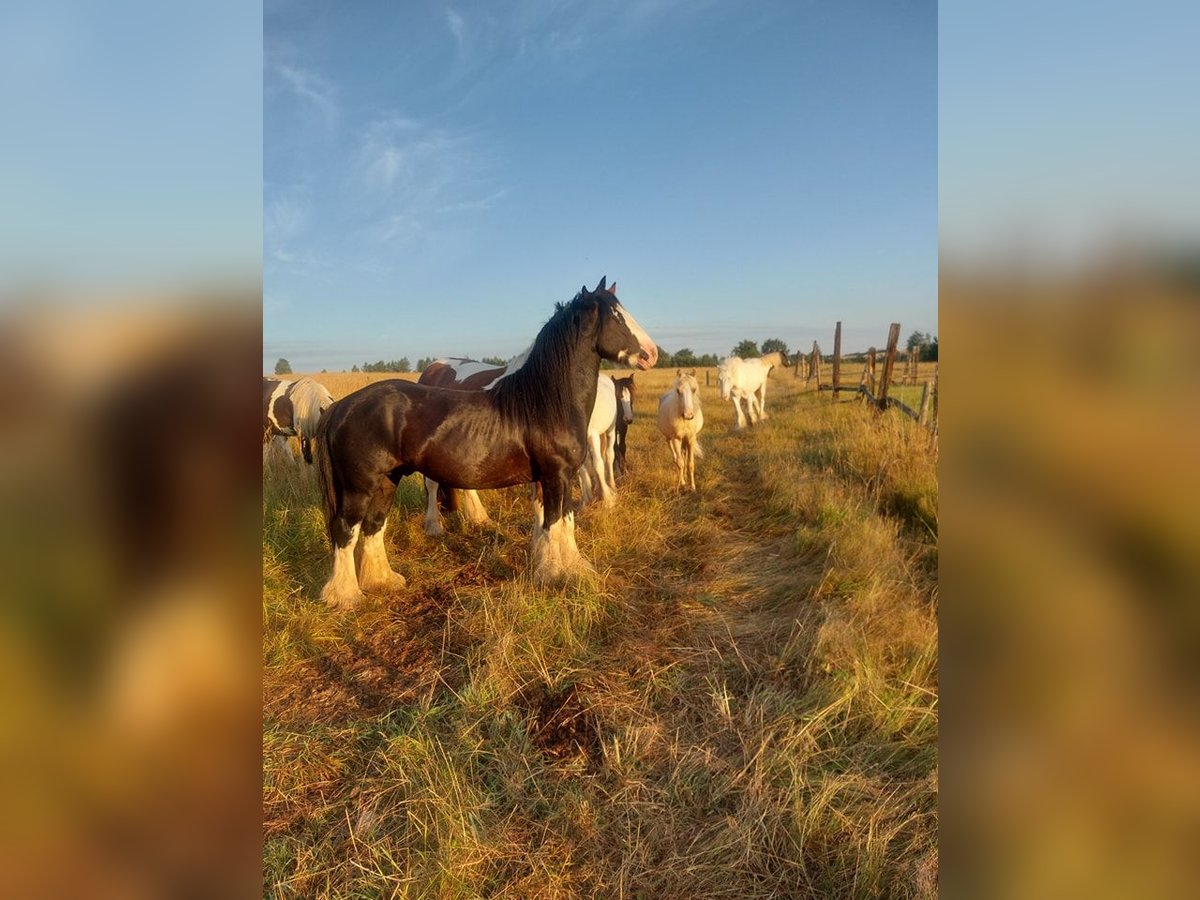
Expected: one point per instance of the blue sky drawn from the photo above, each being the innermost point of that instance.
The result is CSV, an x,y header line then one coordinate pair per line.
x,y
437,176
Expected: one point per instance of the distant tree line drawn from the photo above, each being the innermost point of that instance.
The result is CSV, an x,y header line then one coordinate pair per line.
x,y
395,365
687,358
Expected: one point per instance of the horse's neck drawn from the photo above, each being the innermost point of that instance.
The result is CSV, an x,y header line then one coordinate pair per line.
x,y
571,399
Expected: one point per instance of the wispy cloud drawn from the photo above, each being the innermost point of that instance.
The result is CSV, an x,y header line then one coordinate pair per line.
x,y
311,88
457,27
412,175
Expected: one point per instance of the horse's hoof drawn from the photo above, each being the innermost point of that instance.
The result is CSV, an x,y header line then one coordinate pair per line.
x,y
393,581
342,602
435,530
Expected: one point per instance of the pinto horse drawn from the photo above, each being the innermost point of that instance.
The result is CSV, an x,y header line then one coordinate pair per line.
x,y
530,427
745,380
292,409
626,393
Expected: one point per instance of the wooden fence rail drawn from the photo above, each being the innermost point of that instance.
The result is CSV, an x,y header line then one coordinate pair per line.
x,y
875,390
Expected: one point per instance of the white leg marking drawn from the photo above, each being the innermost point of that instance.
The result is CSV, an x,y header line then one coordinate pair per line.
x,y
341,590
373,569
472,508
433,518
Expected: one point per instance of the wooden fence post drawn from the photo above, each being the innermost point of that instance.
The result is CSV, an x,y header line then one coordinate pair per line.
x,y
816,364
706,377
837,359
923,409
889,361
933,425
871,372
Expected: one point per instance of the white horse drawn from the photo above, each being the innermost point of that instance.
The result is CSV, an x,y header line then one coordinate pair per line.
x,y
601,443
745,380
680,420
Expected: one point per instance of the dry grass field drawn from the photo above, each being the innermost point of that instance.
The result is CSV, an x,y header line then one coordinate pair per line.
x,y
742,702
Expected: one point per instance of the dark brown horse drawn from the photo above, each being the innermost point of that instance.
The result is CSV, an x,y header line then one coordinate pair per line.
x,y
530,427
462,374
626,394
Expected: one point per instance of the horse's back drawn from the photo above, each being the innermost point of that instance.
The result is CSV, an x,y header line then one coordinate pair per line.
x,y
460,374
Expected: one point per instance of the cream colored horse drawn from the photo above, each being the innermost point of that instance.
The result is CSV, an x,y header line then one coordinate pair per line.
x,y
680,420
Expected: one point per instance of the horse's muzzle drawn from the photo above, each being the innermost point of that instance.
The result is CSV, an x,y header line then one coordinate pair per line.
x,y
648,358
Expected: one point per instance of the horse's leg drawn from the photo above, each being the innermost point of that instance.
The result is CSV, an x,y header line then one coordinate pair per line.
x,y
691,460
610,451
596,461
737,408
341,591
433,518
752,409
585,480
620,463
678,448
556,554
373,569
762,400
472,508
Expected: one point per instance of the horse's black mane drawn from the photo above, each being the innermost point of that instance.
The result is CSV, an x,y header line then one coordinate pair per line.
x,y
541,391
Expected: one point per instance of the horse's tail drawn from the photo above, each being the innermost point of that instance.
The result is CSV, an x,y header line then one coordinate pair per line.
x,y
696,448
325,466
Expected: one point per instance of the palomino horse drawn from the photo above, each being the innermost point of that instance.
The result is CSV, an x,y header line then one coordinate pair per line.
x,y
291,409
597,466
680,420
746,380
626,392
530,427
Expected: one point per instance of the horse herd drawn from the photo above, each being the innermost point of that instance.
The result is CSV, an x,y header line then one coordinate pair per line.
x,y
545,419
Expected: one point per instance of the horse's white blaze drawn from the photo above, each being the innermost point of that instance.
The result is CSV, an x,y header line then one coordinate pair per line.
x,y
626,405
341,591
373,568
649,348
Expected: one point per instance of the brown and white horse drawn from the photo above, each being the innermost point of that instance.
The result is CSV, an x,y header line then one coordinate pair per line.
x,y
530,427
626,394
292,409
680,420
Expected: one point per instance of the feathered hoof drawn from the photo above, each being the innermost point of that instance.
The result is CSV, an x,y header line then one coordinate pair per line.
x,y
390,581
341,600
434,529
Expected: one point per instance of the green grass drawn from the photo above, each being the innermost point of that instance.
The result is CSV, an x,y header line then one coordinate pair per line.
x,y
742,702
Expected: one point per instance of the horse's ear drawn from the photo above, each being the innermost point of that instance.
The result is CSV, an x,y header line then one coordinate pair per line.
x,y
600,286
613,290
678,373
692,373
